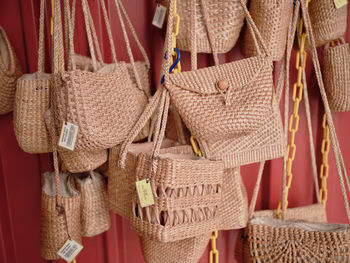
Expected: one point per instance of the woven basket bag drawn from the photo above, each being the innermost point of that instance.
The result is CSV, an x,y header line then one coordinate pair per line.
x,y
60,214
336,72
271,17
94,210
10,71
104,104
328,22
225,16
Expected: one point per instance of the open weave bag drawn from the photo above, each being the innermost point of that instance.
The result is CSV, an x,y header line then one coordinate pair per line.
x,y
328,22
336,72
94,211
271,17
60,221
104,104
226,17
10,71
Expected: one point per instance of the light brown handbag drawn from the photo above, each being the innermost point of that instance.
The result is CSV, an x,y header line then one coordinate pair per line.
x,y
271,17
60,214
10,71
226,18
94,211
328,22
307,242
336,72
104,104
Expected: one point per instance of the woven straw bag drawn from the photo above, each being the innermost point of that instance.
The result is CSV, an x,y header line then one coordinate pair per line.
x,y
336,72
60,214
104,104
328,22
225,16
10,71
271,17
94,211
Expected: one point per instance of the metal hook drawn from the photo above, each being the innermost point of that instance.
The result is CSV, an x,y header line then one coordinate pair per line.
x,y
177,60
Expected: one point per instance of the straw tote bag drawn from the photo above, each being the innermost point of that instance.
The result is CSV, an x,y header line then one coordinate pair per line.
x,y
10,71
230,108
60,214
273,240
271,17
97,101
226,17
336,72
328,22
94,210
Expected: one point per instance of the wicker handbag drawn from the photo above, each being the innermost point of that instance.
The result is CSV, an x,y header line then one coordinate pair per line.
x,y
10,71
104,104
272,19
226,18
230,108
328,22
94,211
336,72
60,214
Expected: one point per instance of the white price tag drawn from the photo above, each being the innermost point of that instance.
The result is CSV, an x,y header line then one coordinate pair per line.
x,y
70,250
68,136
159,16
144,192
340,3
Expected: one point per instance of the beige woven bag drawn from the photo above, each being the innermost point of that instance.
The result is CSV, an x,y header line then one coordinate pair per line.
x,y
10,71
94,211
60,214
230,108
104,104
225,16
328,22
271,17
336,72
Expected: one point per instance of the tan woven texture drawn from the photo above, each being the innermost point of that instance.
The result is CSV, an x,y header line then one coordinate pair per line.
x,y
272,19
56,228
187,193
328,22
10,71
94,211
273,240
336,72
226,17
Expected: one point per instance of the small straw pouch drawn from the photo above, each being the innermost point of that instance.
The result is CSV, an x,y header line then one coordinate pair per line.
x,y
336,72
32,100
94,211
226,17
60,214
271,17
327,21
10,71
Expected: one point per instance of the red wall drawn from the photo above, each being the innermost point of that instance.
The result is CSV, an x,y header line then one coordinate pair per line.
x,y
20,172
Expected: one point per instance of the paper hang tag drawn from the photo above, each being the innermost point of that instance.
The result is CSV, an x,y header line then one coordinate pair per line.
x,y
70,250
159,16
144,192
340,3
68,136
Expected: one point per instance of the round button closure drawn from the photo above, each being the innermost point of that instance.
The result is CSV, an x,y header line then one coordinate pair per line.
x,y
223,84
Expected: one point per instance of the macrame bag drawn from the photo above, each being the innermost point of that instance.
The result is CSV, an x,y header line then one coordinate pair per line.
x,y
225,16
328,22
307,242
230,108
271,17
336,72
94,210
10,71
104,104
60,214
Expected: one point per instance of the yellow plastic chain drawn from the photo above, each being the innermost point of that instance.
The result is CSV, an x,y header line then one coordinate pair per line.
x,y
214,253
324,166
294,117
174,36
